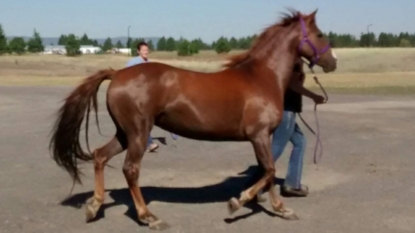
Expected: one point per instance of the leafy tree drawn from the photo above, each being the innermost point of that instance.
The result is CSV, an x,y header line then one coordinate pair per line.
x,y
161,44
72,46
35,44
222,46
3,42
17,45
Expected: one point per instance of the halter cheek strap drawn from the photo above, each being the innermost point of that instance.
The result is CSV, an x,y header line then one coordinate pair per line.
x,y
317,53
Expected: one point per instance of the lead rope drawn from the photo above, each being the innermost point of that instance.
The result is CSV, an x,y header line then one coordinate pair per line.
x,y
318,141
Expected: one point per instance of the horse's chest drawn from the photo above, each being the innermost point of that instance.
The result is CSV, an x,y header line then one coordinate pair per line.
x,y
270,114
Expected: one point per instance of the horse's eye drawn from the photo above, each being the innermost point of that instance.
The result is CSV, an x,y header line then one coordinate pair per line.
x,y
320,35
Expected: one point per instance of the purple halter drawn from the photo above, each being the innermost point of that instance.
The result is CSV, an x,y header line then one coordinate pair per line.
x,y
317,54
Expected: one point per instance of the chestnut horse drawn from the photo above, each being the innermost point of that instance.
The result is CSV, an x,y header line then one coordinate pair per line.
x,y
243,102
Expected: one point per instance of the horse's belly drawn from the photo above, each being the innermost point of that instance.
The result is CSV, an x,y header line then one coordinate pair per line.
x,y
211,127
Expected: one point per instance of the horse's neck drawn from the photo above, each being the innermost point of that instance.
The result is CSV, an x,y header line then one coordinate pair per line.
x,y
281,60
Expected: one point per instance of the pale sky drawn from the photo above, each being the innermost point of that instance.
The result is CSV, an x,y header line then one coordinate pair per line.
x,y
207,19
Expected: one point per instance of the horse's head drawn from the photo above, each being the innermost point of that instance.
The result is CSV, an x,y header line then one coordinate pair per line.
x,y
314,46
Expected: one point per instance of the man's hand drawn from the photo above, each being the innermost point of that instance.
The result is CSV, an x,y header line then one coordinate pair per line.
x,y
318,99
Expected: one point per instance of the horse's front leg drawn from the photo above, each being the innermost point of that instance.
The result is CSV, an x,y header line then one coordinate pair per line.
x,y
261,143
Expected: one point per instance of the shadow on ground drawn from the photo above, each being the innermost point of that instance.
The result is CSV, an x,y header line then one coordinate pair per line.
x,y
221,192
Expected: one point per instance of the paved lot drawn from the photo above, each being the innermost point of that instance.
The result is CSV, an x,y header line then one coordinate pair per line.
x,y
364,183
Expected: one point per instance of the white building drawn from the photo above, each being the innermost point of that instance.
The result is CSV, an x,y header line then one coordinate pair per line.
x,y
122,50
54,49
89,49
60,49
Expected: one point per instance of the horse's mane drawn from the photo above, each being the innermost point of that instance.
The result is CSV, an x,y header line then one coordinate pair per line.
x,y
262,40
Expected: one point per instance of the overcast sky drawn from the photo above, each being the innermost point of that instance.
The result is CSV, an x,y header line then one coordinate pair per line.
x,y
207,19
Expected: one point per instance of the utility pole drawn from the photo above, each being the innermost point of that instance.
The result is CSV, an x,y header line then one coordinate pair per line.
x,y
128,40
368,38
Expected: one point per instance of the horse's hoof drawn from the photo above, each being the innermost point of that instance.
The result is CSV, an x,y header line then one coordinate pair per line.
x,y
90,213
292,217
159,225
233,205
287,214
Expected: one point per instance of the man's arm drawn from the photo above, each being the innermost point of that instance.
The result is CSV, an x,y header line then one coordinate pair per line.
x,y
297,85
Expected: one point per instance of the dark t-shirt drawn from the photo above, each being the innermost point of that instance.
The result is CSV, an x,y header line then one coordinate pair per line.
x,y
293,100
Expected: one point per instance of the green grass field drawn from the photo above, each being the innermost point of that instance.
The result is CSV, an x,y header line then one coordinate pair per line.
x,y
361,70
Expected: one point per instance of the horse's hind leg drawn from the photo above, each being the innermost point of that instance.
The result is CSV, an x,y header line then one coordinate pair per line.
x,y
262,149
131,169
101,157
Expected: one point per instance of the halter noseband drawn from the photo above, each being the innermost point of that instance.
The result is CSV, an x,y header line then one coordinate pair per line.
x,y
317,53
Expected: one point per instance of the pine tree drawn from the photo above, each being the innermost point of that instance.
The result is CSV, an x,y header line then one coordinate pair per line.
x,y
233,43
129,41
35,44
170,44
85,40
150,45
183,48
3,42
161,44
194,46
63,39
72,45
107,45
119,44
17,45
222,46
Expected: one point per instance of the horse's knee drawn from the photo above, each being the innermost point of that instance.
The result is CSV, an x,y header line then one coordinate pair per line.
x,y
270,173
130,170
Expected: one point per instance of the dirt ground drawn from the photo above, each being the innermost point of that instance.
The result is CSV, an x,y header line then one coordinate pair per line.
x,y
364,182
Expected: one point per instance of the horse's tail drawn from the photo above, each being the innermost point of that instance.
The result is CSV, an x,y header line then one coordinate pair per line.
x,y
64,142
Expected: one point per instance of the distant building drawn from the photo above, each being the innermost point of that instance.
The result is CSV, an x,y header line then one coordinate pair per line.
x,y
89,49
122,50
54,49
60,49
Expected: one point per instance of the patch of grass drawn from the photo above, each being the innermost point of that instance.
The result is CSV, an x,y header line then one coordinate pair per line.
x,y
382,90
361,70
369,83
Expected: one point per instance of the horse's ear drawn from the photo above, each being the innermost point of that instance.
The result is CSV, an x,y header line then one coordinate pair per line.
x,y
311,18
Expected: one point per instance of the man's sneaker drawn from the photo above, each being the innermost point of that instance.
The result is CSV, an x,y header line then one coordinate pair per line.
x,y
292,192
153,147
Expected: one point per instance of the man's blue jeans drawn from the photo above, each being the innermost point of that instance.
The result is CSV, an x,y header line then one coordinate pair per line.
x,y
150,139
288,130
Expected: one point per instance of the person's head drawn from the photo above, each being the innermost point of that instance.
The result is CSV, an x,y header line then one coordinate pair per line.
x,y
142,49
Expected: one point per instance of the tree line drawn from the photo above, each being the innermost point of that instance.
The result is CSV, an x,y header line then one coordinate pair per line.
x,y
18,45
185,47
403,39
